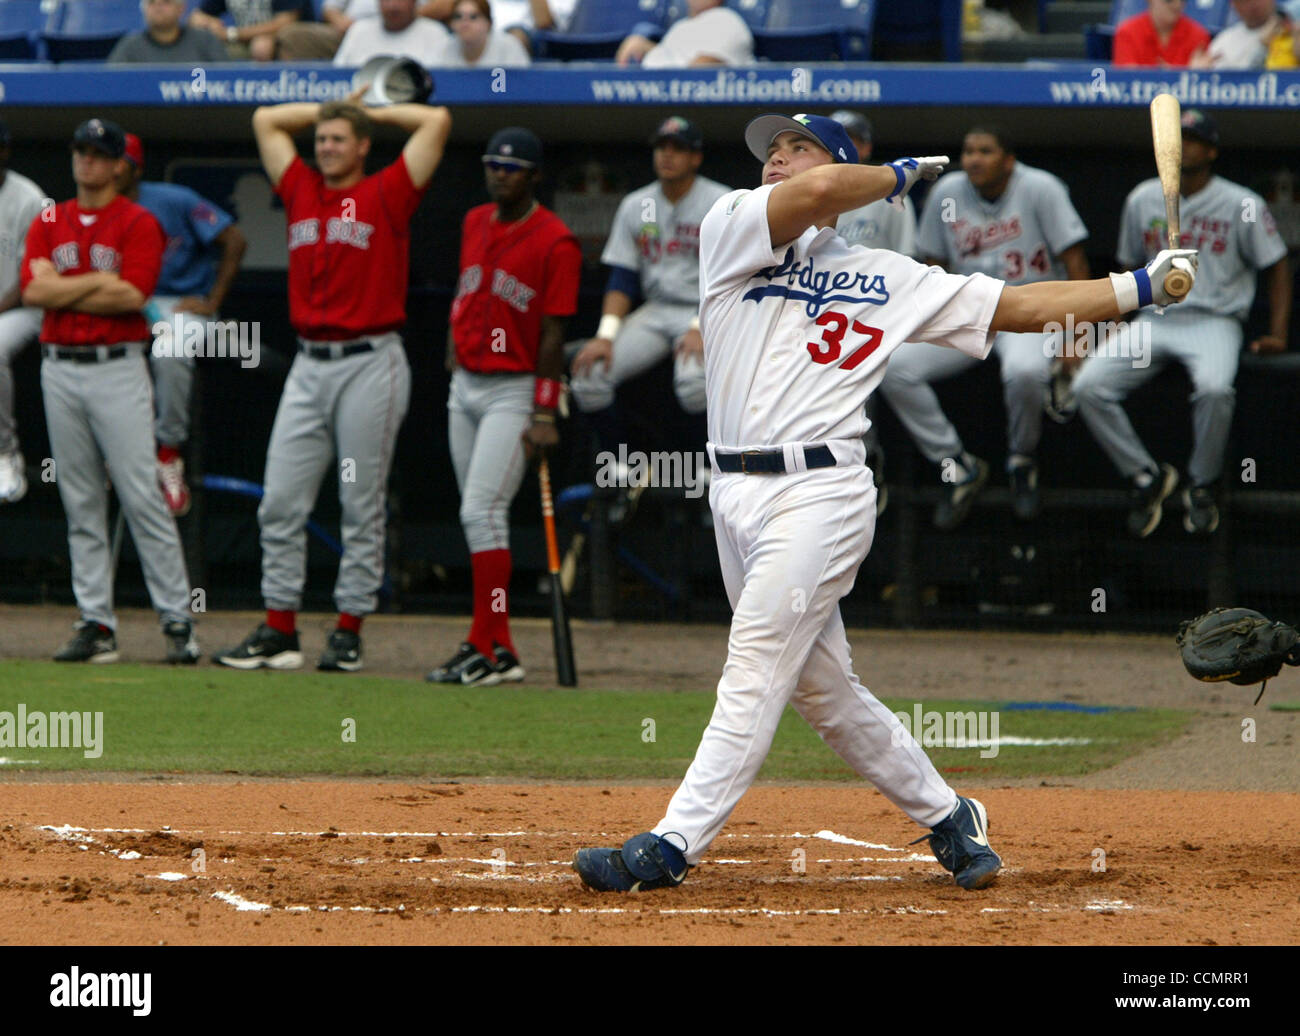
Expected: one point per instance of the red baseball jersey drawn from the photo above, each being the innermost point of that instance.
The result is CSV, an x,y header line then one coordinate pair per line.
x,y
123,238
511,275
349,251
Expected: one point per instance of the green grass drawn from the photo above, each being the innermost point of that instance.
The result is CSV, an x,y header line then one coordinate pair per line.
x,y
210,720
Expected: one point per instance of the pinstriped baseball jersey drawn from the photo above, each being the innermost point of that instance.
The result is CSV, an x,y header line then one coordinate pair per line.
x,y
20,204
880,225
1229,224
797,336
1016,238
660,240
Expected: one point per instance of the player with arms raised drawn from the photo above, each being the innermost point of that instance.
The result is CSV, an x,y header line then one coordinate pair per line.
x,y
798,327
349,386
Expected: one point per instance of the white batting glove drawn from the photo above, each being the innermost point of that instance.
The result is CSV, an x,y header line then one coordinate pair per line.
x,y
1146,287
909,170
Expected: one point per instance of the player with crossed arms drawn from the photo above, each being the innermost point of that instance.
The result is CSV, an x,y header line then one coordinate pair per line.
x,y
1008,220
798,327
349,386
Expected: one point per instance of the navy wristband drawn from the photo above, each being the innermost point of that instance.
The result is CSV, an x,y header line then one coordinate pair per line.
x,y
1143,286
898,172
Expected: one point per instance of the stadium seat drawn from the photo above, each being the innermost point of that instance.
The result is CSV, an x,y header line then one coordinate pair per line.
x,y
816,30
919,23
21,22
85,30
753,11
597,28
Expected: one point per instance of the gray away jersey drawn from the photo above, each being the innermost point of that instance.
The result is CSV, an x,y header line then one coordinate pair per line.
x,y
661,241
1016,238
880,225
20,203
1228,224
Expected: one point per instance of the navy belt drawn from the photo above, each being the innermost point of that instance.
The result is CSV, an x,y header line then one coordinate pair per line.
x,y
334,352
770,462
84,353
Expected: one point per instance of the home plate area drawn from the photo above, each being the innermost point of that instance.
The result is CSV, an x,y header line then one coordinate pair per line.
x,y
364,862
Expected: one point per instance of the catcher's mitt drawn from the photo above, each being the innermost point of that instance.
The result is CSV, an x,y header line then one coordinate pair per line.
x,y
1239,645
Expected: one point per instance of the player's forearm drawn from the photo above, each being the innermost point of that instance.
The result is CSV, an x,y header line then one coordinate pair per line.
x,y
233,245
616,304
1279,299
285,118
410,118
62,292
550,350
1076,265
115,296
10,299
1028,307
819,195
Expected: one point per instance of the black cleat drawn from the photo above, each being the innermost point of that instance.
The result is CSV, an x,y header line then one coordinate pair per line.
x,y
507,665
1201,515
264,647
182,646
342,652
969,474
91,643
1146,502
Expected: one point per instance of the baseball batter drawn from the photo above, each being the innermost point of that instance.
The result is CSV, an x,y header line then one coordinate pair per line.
x,y
798,327
519,272
1004,219
1235,234
349,386
92,265
653,253
20,203
200,262
877,224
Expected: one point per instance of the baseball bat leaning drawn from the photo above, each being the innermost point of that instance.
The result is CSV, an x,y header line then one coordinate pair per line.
x,y
564,669
1167,139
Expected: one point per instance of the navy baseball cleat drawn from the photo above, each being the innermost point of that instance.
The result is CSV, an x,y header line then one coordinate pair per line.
x,y
961,844
646,861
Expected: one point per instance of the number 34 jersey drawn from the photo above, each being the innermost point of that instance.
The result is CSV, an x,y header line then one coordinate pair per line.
x,y
797,336
1016,238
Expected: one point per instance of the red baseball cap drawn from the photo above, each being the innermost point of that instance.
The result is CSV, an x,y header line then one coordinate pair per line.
x,y
134,151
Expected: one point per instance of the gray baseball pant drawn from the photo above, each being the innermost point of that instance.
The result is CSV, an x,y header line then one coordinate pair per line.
x,y
19,327
173,377
487,414
352,408
913,368
1206,344
100,418
648,335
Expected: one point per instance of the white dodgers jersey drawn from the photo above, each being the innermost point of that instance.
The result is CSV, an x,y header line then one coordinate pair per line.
x,y
797,336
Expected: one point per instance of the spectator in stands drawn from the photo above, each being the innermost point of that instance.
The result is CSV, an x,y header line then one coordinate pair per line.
x,y
521,18
165,40
396,31
1246,44
710,34
257,22
475,43
1163,37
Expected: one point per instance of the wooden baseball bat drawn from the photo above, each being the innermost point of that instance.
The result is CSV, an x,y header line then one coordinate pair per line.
x,y
1167,139
564,668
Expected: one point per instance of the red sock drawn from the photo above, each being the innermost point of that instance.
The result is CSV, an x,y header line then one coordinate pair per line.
x,y
491,583
281,621
167,454
351,623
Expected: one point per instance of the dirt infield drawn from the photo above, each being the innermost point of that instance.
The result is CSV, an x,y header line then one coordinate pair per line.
x,y
340,862
1199,837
